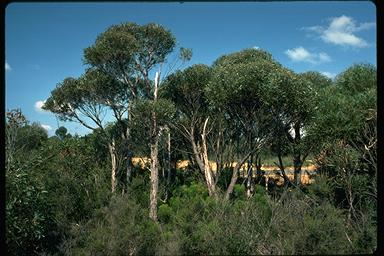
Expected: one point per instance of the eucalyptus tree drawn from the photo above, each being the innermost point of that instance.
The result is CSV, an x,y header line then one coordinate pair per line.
x,y
130,52
186,89
293,98
223,107
237,89
87,100
345,126
353,89
290,100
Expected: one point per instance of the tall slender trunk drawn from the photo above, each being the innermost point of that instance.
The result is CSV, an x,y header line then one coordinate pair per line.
x,y
201,157
129,156
297,163
249,186
112,153
154,172
219,154
249,179
154,143
168,161
209,177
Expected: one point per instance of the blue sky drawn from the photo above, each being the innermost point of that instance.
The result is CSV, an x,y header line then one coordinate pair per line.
x,y
44,42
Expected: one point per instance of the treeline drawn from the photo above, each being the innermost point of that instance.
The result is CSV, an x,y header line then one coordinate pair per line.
x,y
82,195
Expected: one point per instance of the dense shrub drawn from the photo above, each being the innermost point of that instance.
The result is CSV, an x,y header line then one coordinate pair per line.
x,y
29,217
121,228
191,222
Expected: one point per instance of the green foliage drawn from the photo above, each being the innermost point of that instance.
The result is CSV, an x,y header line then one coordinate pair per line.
x,y
139,187
225,177
142,110
193,223
76,98
322,189
62,133
244,56
31,137
323,232
74,183
185,54
354,89
29,217
137,234
334,118
239,191
118,49
318,80
164,213
57,189
186,89
15,118
21,137
64,99
357,78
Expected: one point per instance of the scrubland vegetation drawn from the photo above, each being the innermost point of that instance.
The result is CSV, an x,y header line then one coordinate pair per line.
x,y
82,195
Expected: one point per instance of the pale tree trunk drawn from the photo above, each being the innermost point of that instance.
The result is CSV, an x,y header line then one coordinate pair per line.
x,y
207,168
250,187
168,162
129,151
112,153
154,176
297,163
203,163
154,141
235,175
201,156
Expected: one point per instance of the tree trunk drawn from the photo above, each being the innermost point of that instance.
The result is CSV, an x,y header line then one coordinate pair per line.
x,y
297,169
112,153
281,166
154,142
297,163
129,151
211,184
168,163
235,174
249,180
201,156
154,173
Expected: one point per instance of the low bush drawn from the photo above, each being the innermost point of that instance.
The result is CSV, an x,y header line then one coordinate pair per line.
x,y
121,228
193,223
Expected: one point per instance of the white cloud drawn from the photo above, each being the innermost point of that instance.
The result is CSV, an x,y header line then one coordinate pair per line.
x,y
256,47
341,38
300,54
365,26
38,105
328,74
323,57
342,31
7,67
46,127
